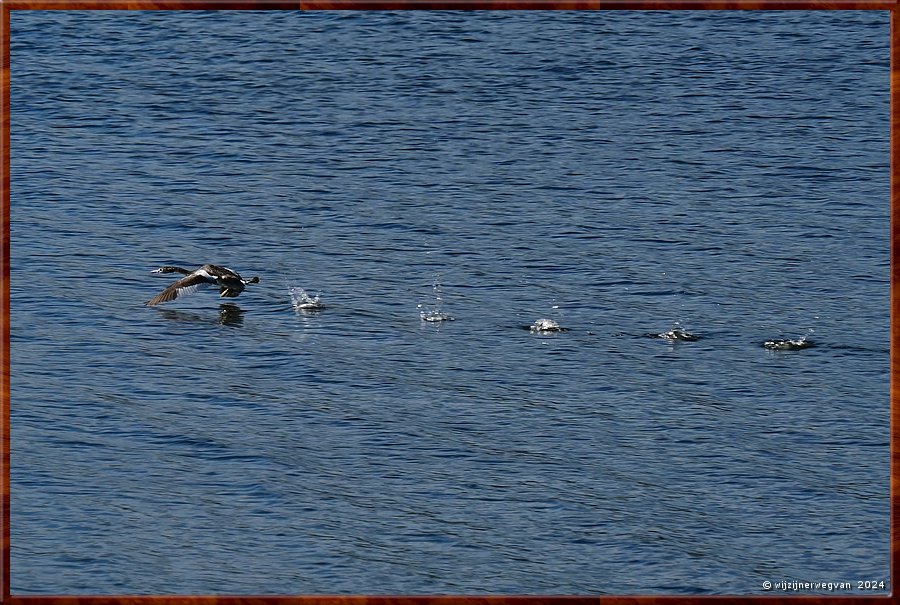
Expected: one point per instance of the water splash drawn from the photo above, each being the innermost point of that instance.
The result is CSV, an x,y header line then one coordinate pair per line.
x,y
303,301
545,325
434,316
434,312
789,344
676,334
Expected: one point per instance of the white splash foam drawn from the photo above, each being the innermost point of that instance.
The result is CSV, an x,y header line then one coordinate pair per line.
x,y
791,344
434,316
303,301
434,312
545,325
678,333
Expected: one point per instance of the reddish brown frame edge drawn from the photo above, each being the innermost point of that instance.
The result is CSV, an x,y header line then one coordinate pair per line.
x,y
9,5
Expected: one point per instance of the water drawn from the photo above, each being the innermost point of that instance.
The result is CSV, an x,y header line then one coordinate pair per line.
x,y
620,174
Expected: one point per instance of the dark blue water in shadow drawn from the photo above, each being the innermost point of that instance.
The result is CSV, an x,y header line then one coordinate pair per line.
x,y
616,172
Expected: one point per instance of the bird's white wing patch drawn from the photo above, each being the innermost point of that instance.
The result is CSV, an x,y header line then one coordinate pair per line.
x,y
185,290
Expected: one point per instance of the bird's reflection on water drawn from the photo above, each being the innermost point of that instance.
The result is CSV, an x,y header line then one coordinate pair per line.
x,y
229,315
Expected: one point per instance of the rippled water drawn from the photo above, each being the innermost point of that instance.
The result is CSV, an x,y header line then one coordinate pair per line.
x,y
621,174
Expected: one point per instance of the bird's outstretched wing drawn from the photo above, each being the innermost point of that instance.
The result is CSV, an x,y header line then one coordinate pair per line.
x,y
183,287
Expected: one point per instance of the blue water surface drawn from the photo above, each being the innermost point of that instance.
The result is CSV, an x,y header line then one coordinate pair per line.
x,y
620,173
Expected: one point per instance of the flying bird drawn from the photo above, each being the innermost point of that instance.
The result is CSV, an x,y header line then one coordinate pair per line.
x,y
230,283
